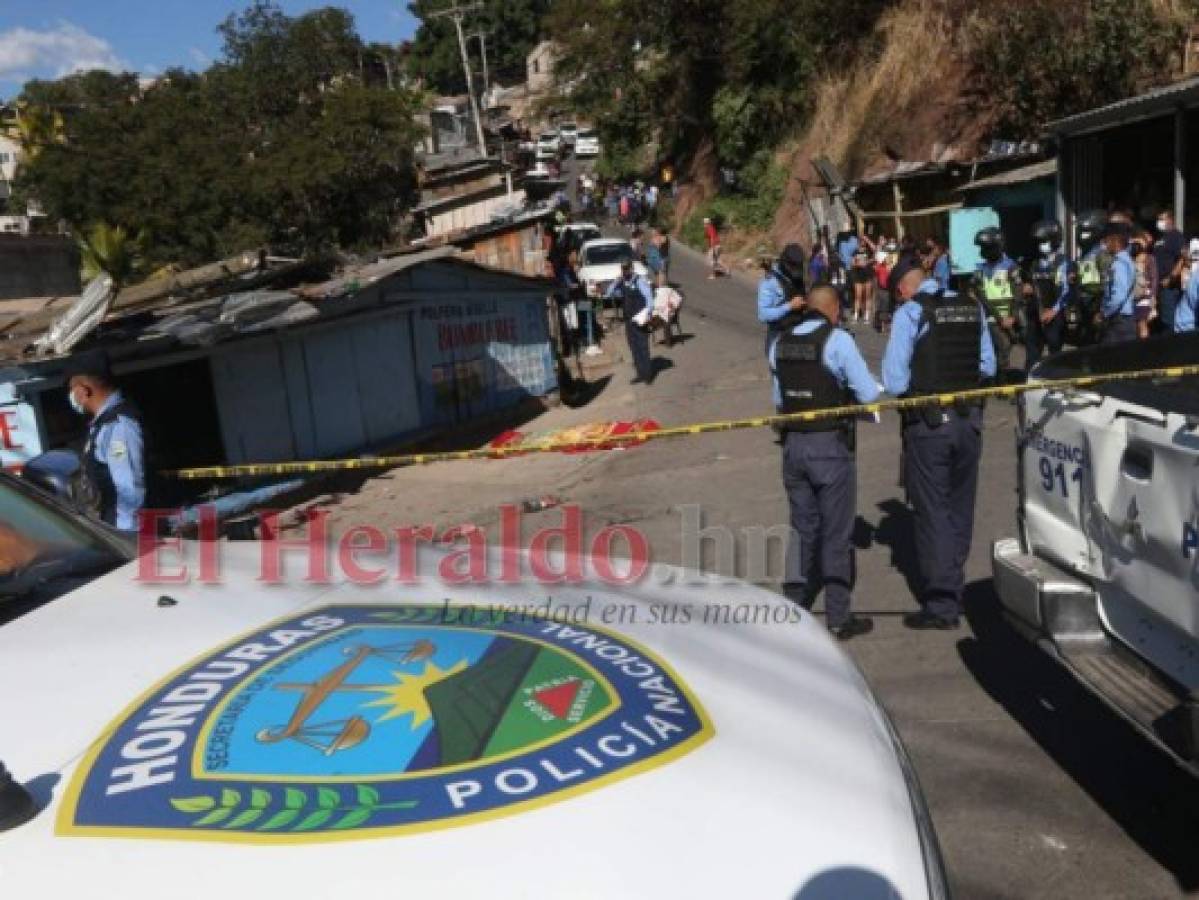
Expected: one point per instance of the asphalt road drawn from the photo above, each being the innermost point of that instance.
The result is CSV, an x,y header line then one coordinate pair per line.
x,y
1036,789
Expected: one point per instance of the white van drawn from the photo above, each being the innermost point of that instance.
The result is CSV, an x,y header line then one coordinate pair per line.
x,y
1104,572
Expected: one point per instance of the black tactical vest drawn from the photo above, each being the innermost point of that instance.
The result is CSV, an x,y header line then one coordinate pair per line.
x,y
947,358
804,382
1045,280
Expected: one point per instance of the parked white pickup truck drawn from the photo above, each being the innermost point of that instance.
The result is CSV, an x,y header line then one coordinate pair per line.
x,y
1105,572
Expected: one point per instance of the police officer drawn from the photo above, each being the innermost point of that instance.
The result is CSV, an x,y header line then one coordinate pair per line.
x,y
780,293
1088,281
939,343
1119,301
817,365
636,295
996,283
1046,293
114,454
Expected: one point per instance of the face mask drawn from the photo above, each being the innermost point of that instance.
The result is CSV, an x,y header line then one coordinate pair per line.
x,y
75,404
1163,226
1046,248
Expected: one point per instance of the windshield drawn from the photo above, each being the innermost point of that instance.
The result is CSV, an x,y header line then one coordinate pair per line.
x,y
607,255
587,134
41,544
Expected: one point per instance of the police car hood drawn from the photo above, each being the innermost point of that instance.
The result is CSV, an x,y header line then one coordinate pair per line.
x,y
736,754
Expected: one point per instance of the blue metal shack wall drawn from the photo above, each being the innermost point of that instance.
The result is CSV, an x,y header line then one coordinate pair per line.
x,y
450,343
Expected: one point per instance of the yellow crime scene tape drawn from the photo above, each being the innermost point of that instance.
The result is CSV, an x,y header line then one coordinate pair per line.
x,y
1003,392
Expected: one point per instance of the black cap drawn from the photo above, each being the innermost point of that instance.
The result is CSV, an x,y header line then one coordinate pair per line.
x,y
792,257
1117,229
91,362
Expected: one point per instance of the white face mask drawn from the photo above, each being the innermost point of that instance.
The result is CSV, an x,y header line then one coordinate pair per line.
x,y
75,404
1163,226
1046,248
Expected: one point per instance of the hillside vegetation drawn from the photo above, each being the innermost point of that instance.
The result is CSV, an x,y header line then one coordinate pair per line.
x,y
761,86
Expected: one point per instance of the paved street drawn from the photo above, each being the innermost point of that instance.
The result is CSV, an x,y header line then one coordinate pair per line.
x,y
1036,790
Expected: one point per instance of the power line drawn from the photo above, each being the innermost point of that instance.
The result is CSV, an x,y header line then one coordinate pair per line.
x,y
456,14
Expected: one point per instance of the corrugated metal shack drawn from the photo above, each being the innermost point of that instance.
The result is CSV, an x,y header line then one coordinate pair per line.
x,y
379,354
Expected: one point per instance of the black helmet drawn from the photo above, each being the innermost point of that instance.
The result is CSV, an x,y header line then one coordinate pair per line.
x,y
1048,231
791,262
1091,227
990,243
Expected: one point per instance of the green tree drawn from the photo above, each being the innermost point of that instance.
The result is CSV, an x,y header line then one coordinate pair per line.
x,y
292,139
1037,60
515,27
109,250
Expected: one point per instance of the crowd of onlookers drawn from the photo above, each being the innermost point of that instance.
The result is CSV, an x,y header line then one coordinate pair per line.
x,y
867,269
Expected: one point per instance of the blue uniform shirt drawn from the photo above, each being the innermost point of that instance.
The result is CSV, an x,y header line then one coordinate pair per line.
x,y
897,361
119,445
642,287
846,249
772,299
1188,305
1118,299
842,359
942,271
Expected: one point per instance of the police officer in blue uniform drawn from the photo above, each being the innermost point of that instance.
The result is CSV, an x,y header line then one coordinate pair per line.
x,y
817,365
635,295
1119,301
939,343
114,454
1046,292
780,294
997,284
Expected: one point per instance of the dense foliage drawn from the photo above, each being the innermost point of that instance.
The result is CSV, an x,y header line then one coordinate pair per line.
x,y
292,139
513,28
1038,61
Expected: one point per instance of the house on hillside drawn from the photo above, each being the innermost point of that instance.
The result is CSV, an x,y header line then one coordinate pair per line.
x,y
1135,155
12,221
540,67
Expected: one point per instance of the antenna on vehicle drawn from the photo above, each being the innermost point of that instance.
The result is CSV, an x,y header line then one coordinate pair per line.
x,y
16,806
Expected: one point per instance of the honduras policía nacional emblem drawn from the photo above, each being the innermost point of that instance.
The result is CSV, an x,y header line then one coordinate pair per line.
x,y
354,721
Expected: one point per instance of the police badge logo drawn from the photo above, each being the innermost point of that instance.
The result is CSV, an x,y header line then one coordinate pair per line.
x,y
366,720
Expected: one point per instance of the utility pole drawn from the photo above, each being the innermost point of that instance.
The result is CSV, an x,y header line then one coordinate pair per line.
x,y
457,14
482,36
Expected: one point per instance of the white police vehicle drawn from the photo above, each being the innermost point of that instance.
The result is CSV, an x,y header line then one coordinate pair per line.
x,y
587,144
600,263
549,146
1104,574
329,739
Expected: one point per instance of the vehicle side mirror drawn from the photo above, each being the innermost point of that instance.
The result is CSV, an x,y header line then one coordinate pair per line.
x,y
62,474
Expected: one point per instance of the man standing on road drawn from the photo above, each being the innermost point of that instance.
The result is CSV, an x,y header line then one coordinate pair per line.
x,y
939,343
636,295
997,285
817,365
114,453
1119,302
1167,251
712,236
780,294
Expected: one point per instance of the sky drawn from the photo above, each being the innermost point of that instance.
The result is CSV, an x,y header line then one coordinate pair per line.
x,y
51,38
